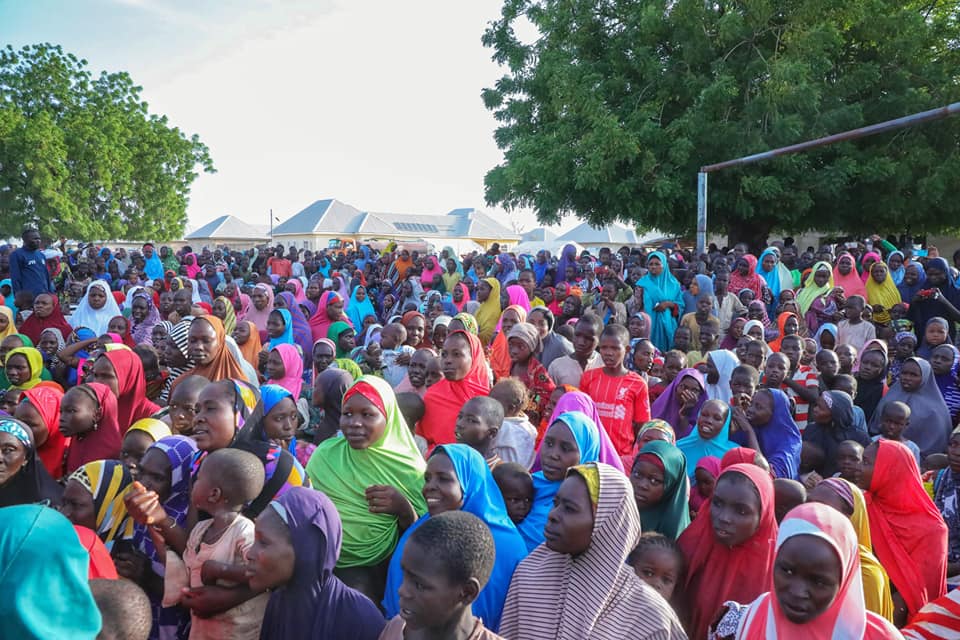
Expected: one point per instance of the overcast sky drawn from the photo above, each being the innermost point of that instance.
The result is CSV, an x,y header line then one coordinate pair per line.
x,y
374,102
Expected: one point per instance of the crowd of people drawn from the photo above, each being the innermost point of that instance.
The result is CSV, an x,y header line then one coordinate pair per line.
x,y
282,443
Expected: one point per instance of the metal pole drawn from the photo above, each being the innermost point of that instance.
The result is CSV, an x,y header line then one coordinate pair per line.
x,y
701,213
271,226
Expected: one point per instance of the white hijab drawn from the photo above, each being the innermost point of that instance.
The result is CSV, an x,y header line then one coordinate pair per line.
x,y
97,320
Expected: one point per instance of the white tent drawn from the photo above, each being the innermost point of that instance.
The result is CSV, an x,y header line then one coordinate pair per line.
x,y
554,246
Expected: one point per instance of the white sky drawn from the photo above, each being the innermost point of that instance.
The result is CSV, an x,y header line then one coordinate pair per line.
x,y
373,102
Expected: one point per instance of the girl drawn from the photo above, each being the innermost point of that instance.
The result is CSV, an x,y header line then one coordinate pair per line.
x,y
936,334
680,403
223,309
88,416
817,299
141,435
500,351
882,293
942,297
945,362
209,352
930,422
39,409
344,337
832,422
302,335
768,426
122,371
704,480
658,561
285,368
719,368
261,306
465,376
661,489
281,419
871,374
712,435
523,342
248,339
329,310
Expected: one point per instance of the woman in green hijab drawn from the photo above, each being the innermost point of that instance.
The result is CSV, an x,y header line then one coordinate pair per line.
x,y
661,488
343,336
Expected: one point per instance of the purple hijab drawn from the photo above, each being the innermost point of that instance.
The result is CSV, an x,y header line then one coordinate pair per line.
x,y
315,603
667,406
302,334
579,401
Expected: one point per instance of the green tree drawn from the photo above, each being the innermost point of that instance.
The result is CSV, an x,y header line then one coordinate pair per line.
x,y
611,110
81,155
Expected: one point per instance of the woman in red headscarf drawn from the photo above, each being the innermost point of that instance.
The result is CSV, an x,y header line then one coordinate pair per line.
x,y
329,310
46,315
745,276
39,409
122,371
465,376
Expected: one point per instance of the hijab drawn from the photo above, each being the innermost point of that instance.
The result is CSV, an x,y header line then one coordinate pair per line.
x,y
33,326
852,284
358,310
568,258
252,347
488,315
223,365
656,289
751,281
870,392
97,320
11,329
579,401
777,279
319,322
811,291
884,294
34,362
782,331
482,498
344,473
333,334
132,402
257,316
292,379
779,439
287,336
930,423
333,383
46,400
31,484
671,515
725,362
827,327
108,482
717,573
230,320
908,292
694,446
315,602
444,399
667,405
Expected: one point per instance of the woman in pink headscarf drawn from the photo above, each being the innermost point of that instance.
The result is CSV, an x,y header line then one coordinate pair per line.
x,y
845,275
745,276
431,269
329,310
292,377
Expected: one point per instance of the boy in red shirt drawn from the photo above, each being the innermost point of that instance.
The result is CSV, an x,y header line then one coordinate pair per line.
x,y
620,395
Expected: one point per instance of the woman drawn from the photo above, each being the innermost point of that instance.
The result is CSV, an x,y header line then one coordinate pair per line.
x,y
93,498
814,531
328,389
46,315
945,362
568,259
744,276
360,306
662,300
846,277
465,376
291,378
711,437
39,409
775,274
377,452
457,477
329,310
768,427
578,585
573,400
730,545
223,309
930,423
914,281
95,309
122,371
908,533
661,489
208,350
24,479
720,366
144,317
833,421
895,264
882,293
787,324
943,301
302,528
258,313
8,326
488,315
44,563
24,369
680,403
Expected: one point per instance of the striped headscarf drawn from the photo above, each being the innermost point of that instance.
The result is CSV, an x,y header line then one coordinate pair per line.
x,y
108,482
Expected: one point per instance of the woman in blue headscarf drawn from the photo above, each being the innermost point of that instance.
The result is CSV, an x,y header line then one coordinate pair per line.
x,y
777,277
896,267
914,280
701,287
572,427
711,436
767,426
287,336
360,307
662,300
482,498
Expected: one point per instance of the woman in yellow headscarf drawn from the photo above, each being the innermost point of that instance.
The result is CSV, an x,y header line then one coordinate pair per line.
x,y
24,358
7,325
488,295
882,292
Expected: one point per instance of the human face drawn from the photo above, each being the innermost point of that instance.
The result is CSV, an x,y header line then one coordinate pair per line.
x,y
31,240
910,376
77,505
202,342
953,453
791,349
911,274
658,568
259,299
483,291
117,325
471,428
18,369
849,459
828,364
570,523
215,423
867,463
219,309
441,486
643,356
558,452
42,305
361,422
585,340
4,323
821,277
154,473
713,415
527,281
893,421
734,510
741,384
519,350
846,355
427,595
241,333
346,340
104,373
183,409
456,358
313,291
806,577
709,334
878,272
276,325
518,498
322,357
539,320
760,411
509,320
78,413
97,297
281,423
134,445
935,334
612,351
871,365
682,339
13,455
271,559
416,328
654,266
647,480
26,413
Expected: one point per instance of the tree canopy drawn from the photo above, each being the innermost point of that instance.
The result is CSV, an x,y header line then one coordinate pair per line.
x,y
82,157
609,113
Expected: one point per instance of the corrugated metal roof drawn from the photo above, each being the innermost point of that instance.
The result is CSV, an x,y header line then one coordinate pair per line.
x,y
227,226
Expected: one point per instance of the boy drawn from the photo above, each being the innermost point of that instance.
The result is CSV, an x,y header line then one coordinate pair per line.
x,y
682,339
446,563
673,362
478,424
621,396
801,384
412,408
422,373
515,439
396,355
828,364
852,329
124,608
516,487
847,355
850,460
787,494
569,369
183,404
894,419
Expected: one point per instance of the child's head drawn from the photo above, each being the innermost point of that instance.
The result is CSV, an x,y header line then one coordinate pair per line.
x,y
792,346
828,364
894,419
937,332
709,335
511,394
673,363
846,355
124,609
226,481
446,563
522,342
845,383
614,342
853,309
898,311
480,419
735,509
787,494
906,344
516,486
849,459
811,457
79,411
704,478
776,370
183,403
411,408
713,416
393,335
421,363
682,339
810,348
9,398
658,561
744,380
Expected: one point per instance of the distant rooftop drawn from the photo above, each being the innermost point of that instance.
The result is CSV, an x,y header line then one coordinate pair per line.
x,y
228,227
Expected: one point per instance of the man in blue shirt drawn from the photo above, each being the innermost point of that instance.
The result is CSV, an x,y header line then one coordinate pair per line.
x,y
28,266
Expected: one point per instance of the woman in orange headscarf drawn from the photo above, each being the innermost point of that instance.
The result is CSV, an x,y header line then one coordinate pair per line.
x,y
499,350
464,376
208,350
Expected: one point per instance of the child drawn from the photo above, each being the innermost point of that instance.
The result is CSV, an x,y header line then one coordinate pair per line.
x,y
397,356
446,562
705,478
621,396
9,398
124,609
88,415
479,423
658,561
516,486
853,330
673,362
412,408
849,460
894,419
522,342
183,404
811,457
904,346
847,355
682,339
216,550
743,384
828,364
787,494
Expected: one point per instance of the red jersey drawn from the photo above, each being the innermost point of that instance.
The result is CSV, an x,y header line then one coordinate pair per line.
x,y
622,401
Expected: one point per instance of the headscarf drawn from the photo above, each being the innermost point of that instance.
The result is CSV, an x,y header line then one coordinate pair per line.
x,y
595,594
11,329
847,615
287,336
711,465
781,327
257,316
469,323
517,296
444,400
587,436
947,383
884,294
499,351
671,515
154,266
870,392
230,320
431,269
811,291
104,442
132,402
223,365
873,257
827,327
908,292
667,405
192,269
897,274
779,439
319,322
34,362
930,423
252,347
779,278
33,326
662,288
579,401
44,577
108,482
924,350
751,281
315,602
488,315
302,334
298,292
46,400
908,533
97,320
725,362
333,383
717,573
343,474
8,301
852,283
142,332
333,334
482,498
357,310
31,483
568,258
694,446
292,379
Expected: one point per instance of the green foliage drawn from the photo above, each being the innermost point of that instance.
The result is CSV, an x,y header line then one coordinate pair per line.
x,y
609,113
82,157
